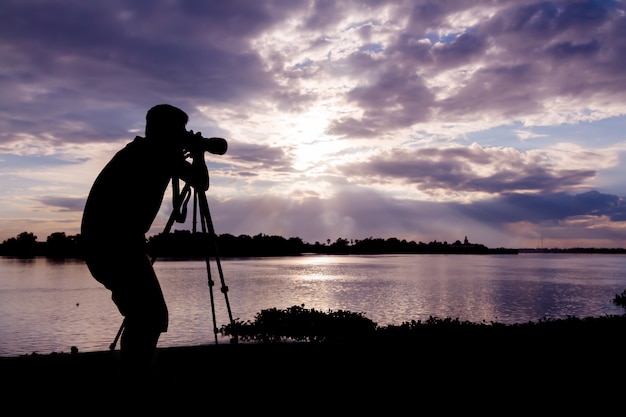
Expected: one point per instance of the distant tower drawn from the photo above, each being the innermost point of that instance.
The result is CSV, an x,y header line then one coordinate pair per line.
x,y
465,242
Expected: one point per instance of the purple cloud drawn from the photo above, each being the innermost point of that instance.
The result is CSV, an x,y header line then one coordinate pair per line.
x,y
461,169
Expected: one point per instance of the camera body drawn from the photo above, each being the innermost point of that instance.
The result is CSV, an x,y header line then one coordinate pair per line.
x,y
195,143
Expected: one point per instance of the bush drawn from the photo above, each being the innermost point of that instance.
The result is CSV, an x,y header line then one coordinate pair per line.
x,y
620,299
297,323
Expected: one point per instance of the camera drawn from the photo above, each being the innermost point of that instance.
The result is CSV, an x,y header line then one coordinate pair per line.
x,y
194,142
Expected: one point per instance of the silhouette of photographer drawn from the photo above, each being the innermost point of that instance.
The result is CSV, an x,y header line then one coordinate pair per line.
x,y
122,204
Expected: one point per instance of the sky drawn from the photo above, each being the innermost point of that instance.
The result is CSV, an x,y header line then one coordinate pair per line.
x,y
500,121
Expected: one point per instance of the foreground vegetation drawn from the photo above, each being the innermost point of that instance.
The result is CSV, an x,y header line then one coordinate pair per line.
x,y
298,324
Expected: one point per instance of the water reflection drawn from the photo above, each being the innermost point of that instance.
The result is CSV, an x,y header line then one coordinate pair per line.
x,y
50,306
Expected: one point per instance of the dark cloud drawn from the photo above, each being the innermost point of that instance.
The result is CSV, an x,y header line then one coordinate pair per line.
x,y
261,157
293,101
324,14
460,51
233,22
430,15
569,48
536,208
503,90
529,179
469,169
62,204
398,99
112,61
542,20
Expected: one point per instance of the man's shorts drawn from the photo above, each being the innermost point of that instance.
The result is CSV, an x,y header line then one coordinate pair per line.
x,y
134,286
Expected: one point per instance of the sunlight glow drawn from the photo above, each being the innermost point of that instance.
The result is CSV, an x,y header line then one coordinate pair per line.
x,y
317,277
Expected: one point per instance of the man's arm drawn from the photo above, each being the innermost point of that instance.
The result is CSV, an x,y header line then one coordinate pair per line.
x,y
196,173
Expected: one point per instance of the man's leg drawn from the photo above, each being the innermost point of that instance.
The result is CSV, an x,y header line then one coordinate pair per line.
x,y
137,348
140,299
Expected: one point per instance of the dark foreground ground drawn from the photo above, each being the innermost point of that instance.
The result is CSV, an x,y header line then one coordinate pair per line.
x,y
528,374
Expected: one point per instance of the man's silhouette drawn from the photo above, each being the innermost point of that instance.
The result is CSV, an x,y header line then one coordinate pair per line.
x,y
122,204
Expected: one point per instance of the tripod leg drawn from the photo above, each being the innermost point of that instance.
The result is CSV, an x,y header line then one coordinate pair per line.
x,y
211,283
208,228
117,336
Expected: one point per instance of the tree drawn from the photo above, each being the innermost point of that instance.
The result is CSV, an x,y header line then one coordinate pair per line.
x,y
24,245
58,245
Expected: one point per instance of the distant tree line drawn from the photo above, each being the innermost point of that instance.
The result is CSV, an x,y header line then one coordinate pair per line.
x,y
187,244
57,245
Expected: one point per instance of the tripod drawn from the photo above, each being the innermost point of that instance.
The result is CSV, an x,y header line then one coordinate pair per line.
x,y
178,214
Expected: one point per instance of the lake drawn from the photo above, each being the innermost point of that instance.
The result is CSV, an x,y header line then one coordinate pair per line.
x,y
51,305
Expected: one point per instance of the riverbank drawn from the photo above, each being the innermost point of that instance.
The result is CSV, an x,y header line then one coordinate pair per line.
x,y
454,372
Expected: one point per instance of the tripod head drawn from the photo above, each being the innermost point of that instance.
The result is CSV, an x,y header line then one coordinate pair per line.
x,y
194,146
